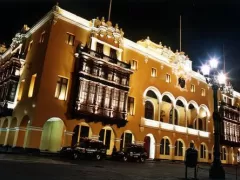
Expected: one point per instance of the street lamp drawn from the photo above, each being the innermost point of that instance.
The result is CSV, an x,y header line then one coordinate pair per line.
x,y
216,80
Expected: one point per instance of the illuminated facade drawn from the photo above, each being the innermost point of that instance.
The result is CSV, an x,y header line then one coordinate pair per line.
x,y
80,78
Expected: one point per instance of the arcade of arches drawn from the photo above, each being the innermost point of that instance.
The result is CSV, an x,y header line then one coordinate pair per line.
x,y
164,108
52,139
167,109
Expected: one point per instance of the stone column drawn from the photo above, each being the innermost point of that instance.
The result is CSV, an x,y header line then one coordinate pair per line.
x,y
159,111
157,150
173,115
20,137
207,119
35,134
197,123
186,117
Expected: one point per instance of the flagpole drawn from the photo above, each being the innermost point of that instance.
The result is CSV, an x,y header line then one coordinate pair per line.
x,y
224,65
180,40
110,9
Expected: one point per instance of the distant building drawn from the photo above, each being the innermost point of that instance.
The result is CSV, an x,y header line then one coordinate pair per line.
x,y
67,77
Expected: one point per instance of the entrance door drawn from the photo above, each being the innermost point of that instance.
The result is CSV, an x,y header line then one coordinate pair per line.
x,y
147,145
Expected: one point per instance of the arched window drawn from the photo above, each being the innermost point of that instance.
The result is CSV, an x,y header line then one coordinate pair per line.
x,y
149,110
164,147
178,148
203,151
79,132
171,117
200,124
223,154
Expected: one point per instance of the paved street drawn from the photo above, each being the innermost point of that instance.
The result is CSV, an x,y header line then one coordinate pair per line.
x,y
38,168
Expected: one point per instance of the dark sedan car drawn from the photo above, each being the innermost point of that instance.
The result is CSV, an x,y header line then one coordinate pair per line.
x,y
131,152
86,148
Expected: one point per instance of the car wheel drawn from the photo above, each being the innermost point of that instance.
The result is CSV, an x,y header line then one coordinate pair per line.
x,y
98,157
142,159
75,156
125,158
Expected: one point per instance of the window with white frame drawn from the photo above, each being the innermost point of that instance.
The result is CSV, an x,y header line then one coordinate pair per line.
x,y
99,48
134,65
203,93
168,78
42,37
203,151
154,72
130,106
192,88
61,88
70,39
165,147
178,148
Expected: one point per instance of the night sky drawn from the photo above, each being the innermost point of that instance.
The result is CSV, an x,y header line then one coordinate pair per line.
x,y
206,24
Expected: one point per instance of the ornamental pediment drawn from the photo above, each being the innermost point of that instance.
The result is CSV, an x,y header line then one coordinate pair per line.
x,y
178,59
102,28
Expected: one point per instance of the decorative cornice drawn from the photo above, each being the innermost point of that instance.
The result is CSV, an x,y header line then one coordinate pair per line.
x,y
34,128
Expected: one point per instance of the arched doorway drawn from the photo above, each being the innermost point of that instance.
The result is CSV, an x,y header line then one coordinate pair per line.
x,y
149,110
181,108
179,150
52,135
224,154
192,112
3,132
166,106
165,148
203,152
175,117
149,145
151,105
82,130
107,136
126,138
12,131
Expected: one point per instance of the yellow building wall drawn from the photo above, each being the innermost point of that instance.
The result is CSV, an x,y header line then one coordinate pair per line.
x,y
55,58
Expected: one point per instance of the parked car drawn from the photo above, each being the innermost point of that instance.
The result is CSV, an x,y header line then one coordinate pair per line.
x,y
131,152
86,148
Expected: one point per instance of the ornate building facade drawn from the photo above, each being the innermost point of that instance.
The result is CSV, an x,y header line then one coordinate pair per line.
x,y
79,78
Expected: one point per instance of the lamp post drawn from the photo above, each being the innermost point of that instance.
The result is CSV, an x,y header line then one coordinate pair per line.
x,y
216,80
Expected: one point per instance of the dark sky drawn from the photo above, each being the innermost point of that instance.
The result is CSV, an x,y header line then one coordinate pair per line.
x,y
207,24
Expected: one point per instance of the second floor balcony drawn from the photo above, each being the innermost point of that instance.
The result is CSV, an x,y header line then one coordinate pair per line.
x,y
174,128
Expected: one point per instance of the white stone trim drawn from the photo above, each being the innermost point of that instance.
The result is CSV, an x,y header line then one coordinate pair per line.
x,y
39,24
69,133
34,128
117,139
